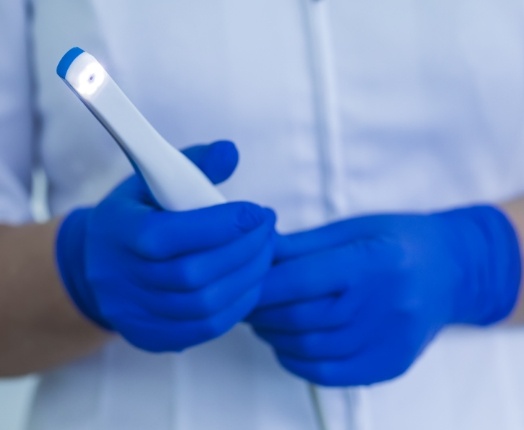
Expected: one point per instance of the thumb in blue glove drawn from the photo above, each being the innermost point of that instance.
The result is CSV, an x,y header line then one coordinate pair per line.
x,y
167,280
357,301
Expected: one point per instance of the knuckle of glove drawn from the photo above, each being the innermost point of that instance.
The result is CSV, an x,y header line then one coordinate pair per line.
x,y
206,304
190,275
213,328
392,369
326,375
408,344
307,346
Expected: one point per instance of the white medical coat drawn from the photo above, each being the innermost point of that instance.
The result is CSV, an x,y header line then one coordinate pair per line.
x,y
338,108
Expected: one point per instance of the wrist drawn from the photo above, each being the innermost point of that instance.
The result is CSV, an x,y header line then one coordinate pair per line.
x,y
486,245
70,261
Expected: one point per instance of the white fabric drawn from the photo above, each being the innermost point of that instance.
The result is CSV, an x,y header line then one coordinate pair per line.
x,y
16,122
339,108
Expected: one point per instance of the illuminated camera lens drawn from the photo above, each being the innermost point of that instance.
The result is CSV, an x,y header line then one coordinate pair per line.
x,y
90,79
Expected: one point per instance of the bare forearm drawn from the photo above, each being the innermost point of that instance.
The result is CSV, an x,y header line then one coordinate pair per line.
x,y
39,326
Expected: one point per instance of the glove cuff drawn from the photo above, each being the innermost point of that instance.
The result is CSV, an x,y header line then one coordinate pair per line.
x,y
70,254
490,248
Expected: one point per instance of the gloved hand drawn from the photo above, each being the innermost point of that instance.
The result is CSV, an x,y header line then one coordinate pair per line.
x,y
167,280
356,302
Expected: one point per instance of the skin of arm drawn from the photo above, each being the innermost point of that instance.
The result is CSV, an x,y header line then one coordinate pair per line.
x,y
39,326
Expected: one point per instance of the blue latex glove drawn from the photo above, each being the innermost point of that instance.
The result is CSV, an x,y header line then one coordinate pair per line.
x,y
357,301
167,280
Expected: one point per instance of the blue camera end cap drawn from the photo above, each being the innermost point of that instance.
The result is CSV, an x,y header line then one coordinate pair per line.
x,y
67,60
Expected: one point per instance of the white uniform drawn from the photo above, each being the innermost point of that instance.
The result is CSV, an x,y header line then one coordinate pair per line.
x,y
338,107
